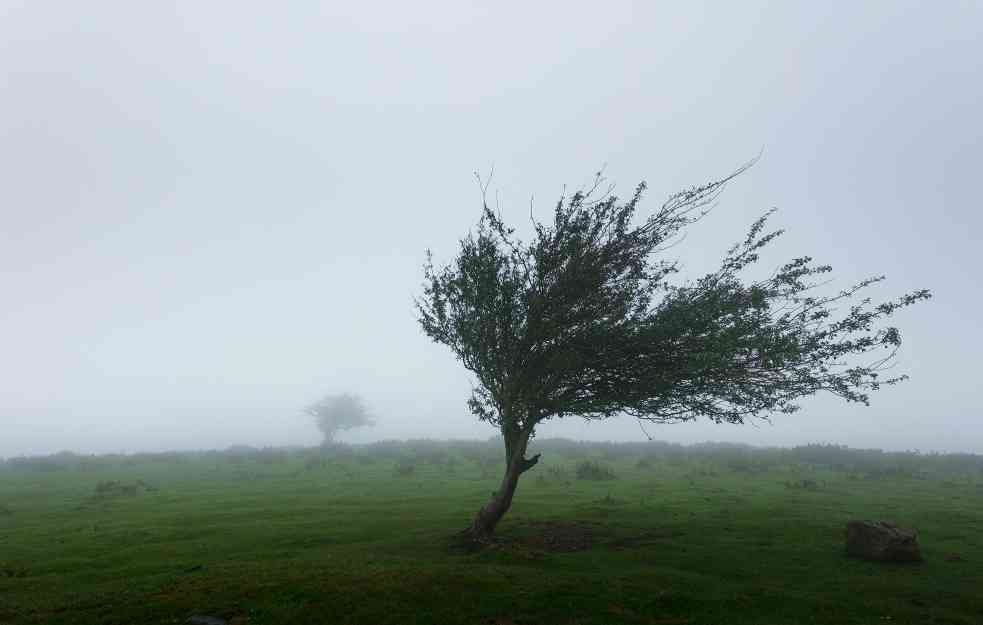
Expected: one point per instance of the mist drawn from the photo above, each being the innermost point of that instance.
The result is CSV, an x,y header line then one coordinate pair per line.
x,y
212,214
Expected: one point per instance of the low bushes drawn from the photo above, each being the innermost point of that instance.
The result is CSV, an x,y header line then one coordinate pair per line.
x,y
590,470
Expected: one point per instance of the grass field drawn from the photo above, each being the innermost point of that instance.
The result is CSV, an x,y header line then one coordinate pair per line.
x,y
679,535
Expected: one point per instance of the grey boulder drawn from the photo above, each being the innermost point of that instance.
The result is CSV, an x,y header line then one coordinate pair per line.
x,y
882,541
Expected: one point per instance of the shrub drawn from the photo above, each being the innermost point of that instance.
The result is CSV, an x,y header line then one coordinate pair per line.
x,y
803,484
404,467
61,461
437,457
589,470
271,456
315,462
114,488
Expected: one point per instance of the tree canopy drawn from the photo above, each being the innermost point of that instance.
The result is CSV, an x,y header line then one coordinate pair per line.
x,y
586,319
336,413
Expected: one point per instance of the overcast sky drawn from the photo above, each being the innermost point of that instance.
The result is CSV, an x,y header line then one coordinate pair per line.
x,y
211,213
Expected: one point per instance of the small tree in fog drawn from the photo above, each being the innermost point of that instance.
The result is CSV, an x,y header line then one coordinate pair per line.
x,y
585,320
337,413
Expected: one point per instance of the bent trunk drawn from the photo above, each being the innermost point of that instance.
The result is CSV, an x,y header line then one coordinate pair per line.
x,y
515,465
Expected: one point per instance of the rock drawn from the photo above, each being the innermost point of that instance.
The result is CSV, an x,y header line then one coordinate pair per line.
x,y
882,541
201,619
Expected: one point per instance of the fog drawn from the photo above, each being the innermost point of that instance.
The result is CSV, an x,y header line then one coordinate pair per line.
x,y
211,214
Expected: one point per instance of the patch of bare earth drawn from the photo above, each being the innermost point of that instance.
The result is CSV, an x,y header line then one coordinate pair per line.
x,y
561,536
643,539
535,538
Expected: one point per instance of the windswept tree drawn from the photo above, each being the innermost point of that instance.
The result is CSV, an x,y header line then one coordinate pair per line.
x,y
337,413
586,320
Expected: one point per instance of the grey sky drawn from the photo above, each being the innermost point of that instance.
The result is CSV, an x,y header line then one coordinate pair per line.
x,y
211,213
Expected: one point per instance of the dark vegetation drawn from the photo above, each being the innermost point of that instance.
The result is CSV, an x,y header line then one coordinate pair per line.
x,y
587,319
593,470
365,534
339,413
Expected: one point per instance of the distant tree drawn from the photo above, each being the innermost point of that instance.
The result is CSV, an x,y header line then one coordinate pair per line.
x,y
336,413
584,320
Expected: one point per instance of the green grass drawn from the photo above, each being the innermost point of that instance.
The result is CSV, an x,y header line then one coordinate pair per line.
x,y
288,539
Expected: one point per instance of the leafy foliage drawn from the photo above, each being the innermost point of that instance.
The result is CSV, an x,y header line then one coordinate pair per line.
x,y
336,413
585,320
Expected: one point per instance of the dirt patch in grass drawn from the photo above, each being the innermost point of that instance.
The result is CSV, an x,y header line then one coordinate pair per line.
x,y
537,537
561,536
644,539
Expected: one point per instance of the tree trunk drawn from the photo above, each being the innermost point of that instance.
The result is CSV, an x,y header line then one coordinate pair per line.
x,y
516,464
